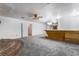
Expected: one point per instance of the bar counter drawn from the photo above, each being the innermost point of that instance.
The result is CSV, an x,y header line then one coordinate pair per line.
x,y
63,35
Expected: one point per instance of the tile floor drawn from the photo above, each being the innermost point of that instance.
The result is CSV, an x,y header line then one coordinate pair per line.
x,y
39,46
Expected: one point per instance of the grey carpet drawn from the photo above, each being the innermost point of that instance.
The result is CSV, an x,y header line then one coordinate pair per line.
x,y
38,46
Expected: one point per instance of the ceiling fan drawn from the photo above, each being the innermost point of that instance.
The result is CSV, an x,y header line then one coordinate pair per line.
x,y
34,15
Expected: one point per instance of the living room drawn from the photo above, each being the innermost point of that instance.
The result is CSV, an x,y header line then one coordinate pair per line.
x,y
29,23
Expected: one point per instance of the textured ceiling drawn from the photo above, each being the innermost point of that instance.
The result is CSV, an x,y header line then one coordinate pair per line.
x,y
20,8
24,9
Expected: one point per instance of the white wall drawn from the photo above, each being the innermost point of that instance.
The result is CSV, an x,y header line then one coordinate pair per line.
x,y
38,28
11,28
69,22
67,19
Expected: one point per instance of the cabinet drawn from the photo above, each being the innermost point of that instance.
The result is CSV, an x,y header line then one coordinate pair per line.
x,y
56,35
72,37
63,35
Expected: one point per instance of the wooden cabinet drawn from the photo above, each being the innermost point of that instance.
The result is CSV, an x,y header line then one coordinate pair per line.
x,y
68,36
72,37
56,35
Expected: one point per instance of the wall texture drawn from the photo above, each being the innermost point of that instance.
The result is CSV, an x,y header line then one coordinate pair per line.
x,y
67,17
11,28
69,23
38,28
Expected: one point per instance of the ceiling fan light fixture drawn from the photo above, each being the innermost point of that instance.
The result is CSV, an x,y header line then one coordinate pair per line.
x,y
35,15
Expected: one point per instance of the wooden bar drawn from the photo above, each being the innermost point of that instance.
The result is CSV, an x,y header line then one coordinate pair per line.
x,y
64,35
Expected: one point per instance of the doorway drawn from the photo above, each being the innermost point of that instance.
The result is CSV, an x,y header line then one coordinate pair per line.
x,y
30,30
